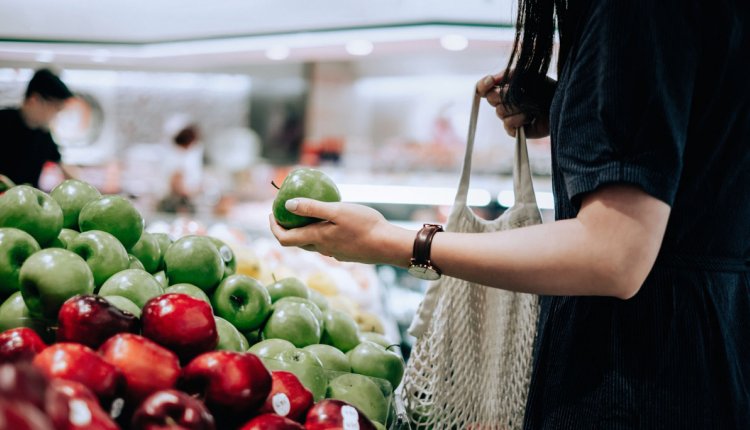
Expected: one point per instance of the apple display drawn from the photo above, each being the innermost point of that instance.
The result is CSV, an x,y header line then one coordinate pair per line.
x,y
66,236
124,304
287,287
362,392
135,263
81,364
147,251
104,254
330,357
230,339
161,277
172,409
73,406
33,211
293,322
18,415
332,414
305,366
115,215
72,195
227,256
288,397
20,344
304,302
14,313
340,330
372,359
242,301
15,247
194,260
271,422
164,241
378,338
90,320
135,285
319,299
190,290
271,348
23,382
303,182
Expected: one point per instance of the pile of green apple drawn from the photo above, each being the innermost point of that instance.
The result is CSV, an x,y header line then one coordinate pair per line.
x,y
74,242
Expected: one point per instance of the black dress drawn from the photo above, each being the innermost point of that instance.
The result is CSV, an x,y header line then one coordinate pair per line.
x,y
655,94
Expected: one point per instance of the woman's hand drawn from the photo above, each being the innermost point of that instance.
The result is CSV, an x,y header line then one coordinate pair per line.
x,y
514,117
348,232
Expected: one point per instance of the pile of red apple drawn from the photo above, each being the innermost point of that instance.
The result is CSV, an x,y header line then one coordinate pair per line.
x,y
108,326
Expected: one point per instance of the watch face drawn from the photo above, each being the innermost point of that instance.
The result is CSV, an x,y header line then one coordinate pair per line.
x,y
424,272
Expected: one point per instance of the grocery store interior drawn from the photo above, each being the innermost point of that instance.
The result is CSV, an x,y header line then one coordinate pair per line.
x,y
375,94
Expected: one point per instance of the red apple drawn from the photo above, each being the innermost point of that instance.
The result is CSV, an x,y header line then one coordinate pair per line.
x,y
146,366
23,382
20,344
19,415
236,382
82,364
172,409
72,406
90,320
288,397
330,414
181,323
272,422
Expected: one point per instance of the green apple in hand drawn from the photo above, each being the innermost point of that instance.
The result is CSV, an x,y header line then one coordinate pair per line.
x,y
303,182
230,339
115,215
227,256
331,358
33,211
361,392
189,289
164,241
288,287
135,263
304,302
293,322
134,284
374,360
148,252
195,260
340,330
51,276
15,247
72,195
14,313
104,254
242,301
305,366
124,304
271,348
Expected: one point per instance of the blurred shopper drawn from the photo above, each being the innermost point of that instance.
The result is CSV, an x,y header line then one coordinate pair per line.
x,y
25,140
185,171
645,275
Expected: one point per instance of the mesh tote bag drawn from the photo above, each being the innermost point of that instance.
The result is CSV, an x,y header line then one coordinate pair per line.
x,y
471,363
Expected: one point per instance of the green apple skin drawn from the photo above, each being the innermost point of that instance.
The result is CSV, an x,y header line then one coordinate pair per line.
x,y
15,247
14,313
293,322
230,339
104,254
320,300
243,301
161,278
361,392
72,195
164,241
304,302
135,263
331,358
377,425
372,359
288,287
134,284
66,236
124,304
189,289
33,211
148,252
303,182
305,366
194,260
52,276
378,338
115,215
253,337
227,256
340,330
271,348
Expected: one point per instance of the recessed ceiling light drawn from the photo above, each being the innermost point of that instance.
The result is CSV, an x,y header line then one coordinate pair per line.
x,y
454,42
45,57
277,52
359,47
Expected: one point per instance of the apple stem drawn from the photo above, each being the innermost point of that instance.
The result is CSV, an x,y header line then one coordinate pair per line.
x,y
274,185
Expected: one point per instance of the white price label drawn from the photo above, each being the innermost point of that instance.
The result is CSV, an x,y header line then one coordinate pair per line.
x,y
351,418
281,404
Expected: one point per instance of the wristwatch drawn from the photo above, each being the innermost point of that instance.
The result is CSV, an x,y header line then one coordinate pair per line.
x,y
420,265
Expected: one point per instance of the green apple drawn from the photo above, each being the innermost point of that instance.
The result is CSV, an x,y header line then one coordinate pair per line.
x,y
331,358
72,195
195,260
242,301
271,348
288,287
104,254
227,256
378,426
293,322
15,247
135,263
230,339
190,290
32,211
124,304
320,300
340,330
148,252
253,337
52,276
305,366
164,241
161,278
134,284
378,338
303,182
115,215
371,359
66,236
361,392
14,313
304,302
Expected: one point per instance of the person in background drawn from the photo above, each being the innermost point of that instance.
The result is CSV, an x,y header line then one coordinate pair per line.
x,y
644,276
25,140
184,167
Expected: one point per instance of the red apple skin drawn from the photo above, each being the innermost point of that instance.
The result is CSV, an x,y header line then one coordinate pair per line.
x,y
82,364
89,319
146,366
272,422
231,382
23,382
20,344
298,399
19,415
180,323
327,415
72,406
172,409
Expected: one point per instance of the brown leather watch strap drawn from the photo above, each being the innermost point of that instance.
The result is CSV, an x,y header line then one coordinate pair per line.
x,y
423,244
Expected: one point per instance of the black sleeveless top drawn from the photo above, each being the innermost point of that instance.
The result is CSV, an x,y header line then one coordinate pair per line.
x,y
655,94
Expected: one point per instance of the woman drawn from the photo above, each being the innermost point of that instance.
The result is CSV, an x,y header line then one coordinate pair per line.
x,y
644,277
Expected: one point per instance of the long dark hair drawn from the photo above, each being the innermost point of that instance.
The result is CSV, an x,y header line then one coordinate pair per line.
x,y
532,51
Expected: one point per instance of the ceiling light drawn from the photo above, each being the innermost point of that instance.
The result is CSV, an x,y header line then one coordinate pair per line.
x,y
277,52
45,57
359,47
454,42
